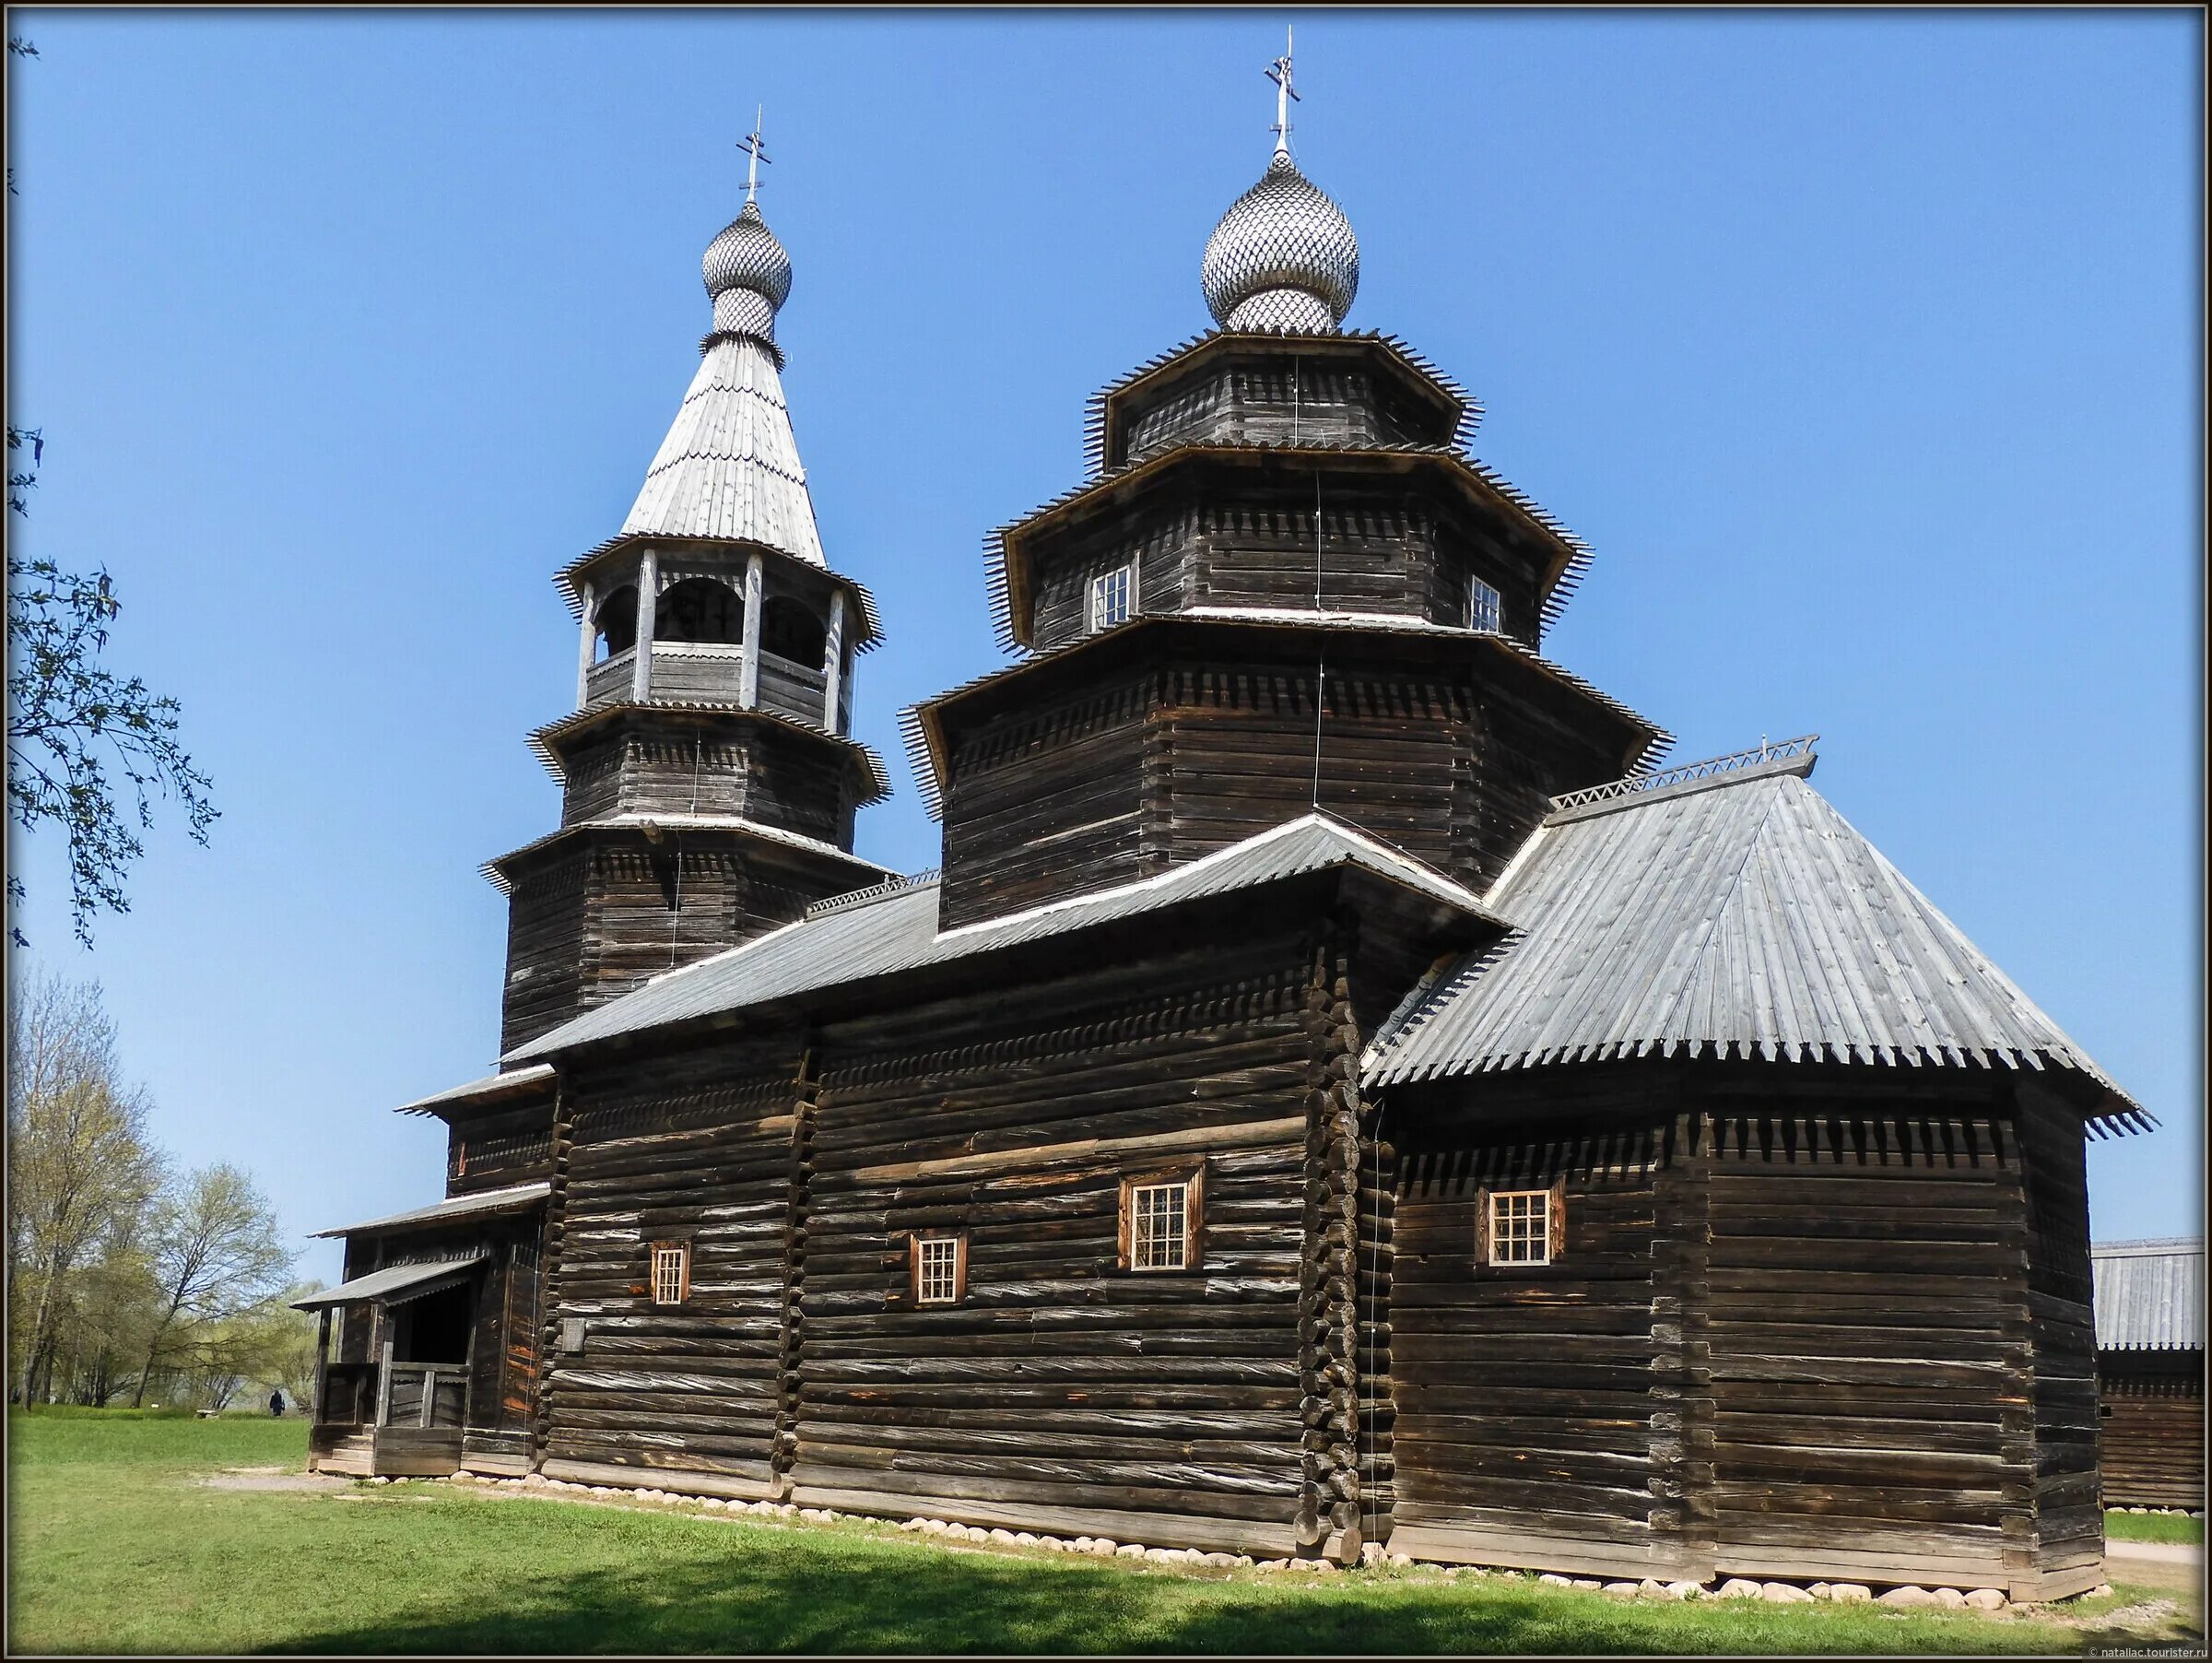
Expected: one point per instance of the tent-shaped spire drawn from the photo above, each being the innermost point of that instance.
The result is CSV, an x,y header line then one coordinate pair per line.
x,y
729,467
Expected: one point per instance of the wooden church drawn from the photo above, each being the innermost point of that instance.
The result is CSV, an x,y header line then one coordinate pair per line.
x,y
1338,1089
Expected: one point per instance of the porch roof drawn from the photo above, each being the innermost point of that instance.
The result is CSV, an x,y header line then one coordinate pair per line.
x,y
514,1198
379,1287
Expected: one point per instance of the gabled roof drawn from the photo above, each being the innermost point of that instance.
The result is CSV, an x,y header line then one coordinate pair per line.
x,y
729,467
2151,1294
1729,912
849,939
486,1204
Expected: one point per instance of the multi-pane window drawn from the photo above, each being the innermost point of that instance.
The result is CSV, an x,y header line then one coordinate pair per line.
x,y
1521,1227
1109,596
1159,1226
937,1270
671,1272
1485,609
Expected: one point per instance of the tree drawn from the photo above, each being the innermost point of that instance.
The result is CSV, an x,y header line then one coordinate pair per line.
x,y
216,1256
79,1168
71,720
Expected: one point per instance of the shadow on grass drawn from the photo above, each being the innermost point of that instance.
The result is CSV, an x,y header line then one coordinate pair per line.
x,y
781,1600
779,1595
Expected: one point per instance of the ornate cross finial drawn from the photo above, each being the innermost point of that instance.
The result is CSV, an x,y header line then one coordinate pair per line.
x,y
1279,73
756,153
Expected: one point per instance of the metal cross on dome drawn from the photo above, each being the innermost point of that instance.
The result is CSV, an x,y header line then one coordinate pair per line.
x,y
756,153
1279,73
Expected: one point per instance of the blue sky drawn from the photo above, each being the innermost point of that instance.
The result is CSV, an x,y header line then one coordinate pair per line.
x,y
1863,347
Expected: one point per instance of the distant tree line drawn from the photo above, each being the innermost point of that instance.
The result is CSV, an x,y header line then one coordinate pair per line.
x,y
129,1281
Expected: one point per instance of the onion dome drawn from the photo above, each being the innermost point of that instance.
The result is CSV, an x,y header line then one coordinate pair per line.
x,y
748,276
1283,258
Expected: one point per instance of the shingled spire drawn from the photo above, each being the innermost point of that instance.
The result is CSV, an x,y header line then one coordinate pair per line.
x,y
729,467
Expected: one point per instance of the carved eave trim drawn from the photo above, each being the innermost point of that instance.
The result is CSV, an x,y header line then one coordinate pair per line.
x,y
921,726
1006,549
1103,410
570,579
653,827
863,757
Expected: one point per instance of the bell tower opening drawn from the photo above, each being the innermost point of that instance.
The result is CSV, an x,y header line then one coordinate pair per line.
x,y
701,611
617,625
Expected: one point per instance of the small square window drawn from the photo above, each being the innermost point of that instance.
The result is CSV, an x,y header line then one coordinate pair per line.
x,y
1520,1227
671,1272
1109,596
1486,610
940,1270
1160,1222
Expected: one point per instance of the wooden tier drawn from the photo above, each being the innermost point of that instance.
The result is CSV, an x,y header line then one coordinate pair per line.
x,y
1165,744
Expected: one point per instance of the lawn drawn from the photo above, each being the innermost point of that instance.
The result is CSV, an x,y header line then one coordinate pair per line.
x,y
2153,1526
118,1543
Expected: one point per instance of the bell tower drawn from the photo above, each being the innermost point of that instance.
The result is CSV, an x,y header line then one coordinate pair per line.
x,y
709,778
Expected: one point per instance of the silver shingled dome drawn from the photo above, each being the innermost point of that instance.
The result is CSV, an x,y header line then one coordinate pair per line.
x,y
1283,258
748,273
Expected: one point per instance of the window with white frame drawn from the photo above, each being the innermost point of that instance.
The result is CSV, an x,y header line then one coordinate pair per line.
x,y
938,1261
1110,596
1486,610
671,1272
1520,1227
1159,1220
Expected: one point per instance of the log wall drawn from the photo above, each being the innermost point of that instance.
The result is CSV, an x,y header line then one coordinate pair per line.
x,y
2061,1331
1062,1389
1538,1406
694,1151
1165,763
2153,1423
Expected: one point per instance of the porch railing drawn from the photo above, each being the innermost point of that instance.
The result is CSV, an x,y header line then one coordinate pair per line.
x,y
426,1393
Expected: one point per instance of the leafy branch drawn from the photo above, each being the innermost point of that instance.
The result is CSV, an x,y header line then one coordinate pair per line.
x,y
71,721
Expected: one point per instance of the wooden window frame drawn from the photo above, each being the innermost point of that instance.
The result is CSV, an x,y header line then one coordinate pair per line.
x,y
959,1269
1193,1178
1555,1220
653,1271
1478,588
1100,587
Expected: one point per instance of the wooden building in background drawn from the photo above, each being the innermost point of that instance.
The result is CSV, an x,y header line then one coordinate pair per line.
x,y
2150,1371
1338,1089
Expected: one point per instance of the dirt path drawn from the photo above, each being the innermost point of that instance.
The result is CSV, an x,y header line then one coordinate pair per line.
x,y
2158,1565
271,1477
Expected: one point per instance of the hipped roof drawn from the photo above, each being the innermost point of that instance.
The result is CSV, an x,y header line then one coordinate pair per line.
x,y
1732,916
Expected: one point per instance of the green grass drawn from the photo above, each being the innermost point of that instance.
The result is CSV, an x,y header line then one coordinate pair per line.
x,y
2153,1526
117,1546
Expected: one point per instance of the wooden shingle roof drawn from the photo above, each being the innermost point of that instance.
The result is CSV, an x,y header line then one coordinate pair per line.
x,y
729,469
893,927
1731,914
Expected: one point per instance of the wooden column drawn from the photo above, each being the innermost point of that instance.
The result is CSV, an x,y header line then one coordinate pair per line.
x,y
748,671
380,1340
649,594
314,1407
584,651
833,665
